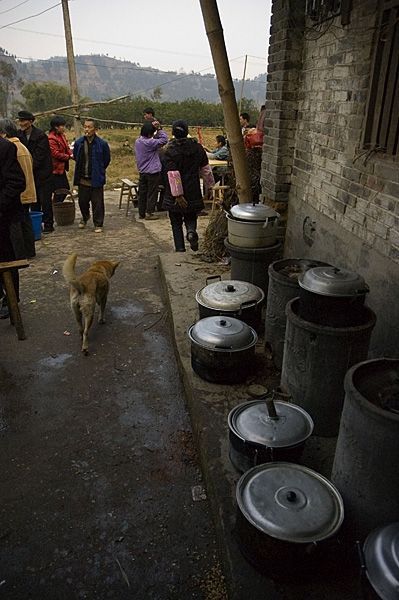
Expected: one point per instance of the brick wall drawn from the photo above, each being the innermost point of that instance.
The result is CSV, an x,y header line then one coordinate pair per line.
x,y
313,144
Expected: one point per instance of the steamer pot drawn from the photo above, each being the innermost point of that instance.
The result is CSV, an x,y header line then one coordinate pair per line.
x,y
232,298
287,516
265,430
222,349
252,225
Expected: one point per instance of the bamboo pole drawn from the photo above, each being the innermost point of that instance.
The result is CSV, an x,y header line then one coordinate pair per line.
x,y
215,35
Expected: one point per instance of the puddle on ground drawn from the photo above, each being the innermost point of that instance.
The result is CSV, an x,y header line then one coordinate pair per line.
x,y
57,361
126,310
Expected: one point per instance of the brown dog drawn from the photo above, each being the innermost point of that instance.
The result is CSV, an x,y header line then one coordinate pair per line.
x,y
86,290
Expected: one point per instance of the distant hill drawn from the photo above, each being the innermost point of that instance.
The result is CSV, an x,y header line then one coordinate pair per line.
x,y
101,77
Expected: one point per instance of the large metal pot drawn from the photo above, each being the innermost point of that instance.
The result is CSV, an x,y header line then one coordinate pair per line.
x,y
265,430
222,349
286,513
231,298
331,296
252,225
380,562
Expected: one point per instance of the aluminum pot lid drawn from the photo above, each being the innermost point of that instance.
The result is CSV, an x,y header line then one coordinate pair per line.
x,y
251,421
331,281
253,212
290,502
229,295
223,333
381,555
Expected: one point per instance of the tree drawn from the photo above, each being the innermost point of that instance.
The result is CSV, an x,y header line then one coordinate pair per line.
x,y
8,75
157,93
45,96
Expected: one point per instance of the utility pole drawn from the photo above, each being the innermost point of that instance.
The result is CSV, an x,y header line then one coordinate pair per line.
x,y
214,31
243,81
73,82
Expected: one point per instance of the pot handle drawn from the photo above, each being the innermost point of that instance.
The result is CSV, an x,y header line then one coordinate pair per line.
x,y
223,347
246,304
213,277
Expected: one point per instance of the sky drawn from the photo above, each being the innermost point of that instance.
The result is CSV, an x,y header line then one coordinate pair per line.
x,y
165,35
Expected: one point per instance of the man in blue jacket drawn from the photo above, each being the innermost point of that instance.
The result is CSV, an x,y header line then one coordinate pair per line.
x,y
92,155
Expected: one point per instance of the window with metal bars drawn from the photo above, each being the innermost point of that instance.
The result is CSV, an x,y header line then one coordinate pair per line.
x,y
382,124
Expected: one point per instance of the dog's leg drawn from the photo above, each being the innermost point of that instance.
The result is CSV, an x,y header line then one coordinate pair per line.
x,y
101,316
88,320
78,316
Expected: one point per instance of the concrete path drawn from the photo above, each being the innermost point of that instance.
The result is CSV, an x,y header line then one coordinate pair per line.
x,y
101,495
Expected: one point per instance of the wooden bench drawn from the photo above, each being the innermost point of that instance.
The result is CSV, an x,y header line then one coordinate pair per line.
x,y
12,302
130,190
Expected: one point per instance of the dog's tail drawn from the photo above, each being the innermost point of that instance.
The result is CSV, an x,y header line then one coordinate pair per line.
x,y
68,271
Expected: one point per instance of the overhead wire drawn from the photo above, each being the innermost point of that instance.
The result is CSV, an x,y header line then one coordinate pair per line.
x,y
14,7
32,16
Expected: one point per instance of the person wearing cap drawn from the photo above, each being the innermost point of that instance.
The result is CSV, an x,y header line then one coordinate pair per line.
x,y
12,185
60,155
151,139
38,145
184,161
92,156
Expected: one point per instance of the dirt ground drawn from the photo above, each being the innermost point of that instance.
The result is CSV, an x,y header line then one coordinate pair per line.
x,y
101,495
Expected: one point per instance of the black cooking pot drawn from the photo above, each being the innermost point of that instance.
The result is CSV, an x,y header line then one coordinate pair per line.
x,y
222,349
265,430
332,297
232,298
287,516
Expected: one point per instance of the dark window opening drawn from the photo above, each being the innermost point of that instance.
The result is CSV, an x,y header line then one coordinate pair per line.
x,y
382,124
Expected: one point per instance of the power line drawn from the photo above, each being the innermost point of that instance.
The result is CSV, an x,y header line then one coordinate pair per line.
x,y
31,16
13,7
161,50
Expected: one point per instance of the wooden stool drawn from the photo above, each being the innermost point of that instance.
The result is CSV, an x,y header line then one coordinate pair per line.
x,y
12,302
129,189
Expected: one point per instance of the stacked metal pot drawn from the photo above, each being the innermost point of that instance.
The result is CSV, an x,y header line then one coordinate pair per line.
x,y
223,340
252,242
286,512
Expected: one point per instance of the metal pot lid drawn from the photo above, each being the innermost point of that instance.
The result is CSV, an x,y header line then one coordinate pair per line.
x,y
253,212
229,295
290,502
381,555
251,422
331,281
223,333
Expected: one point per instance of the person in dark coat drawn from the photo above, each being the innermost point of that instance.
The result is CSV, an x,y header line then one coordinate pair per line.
x,y
184,160
12,184
38,145
92,155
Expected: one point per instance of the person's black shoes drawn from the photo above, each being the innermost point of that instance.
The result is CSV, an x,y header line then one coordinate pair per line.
x,y
192,238
48,229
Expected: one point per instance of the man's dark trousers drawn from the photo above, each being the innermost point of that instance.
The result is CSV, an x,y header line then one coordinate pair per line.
x,y
89,194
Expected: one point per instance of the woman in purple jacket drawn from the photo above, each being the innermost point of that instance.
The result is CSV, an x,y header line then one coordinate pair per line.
x,y
149,166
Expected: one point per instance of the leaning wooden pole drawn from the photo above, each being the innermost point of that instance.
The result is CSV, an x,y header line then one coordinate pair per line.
x,y
214,31
73,81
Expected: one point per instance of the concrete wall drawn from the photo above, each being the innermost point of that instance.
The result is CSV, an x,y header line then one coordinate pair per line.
x,y
343,203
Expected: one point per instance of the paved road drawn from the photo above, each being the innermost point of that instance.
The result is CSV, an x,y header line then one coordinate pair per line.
x,y
97,461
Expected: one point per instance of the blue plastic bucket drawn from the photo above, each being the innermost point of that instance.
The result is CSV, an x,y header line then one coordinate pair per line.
x,y
36,218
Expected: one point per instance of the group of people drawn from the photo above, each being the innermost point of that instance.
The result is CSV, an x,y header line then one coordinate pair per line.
x,y
177,165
